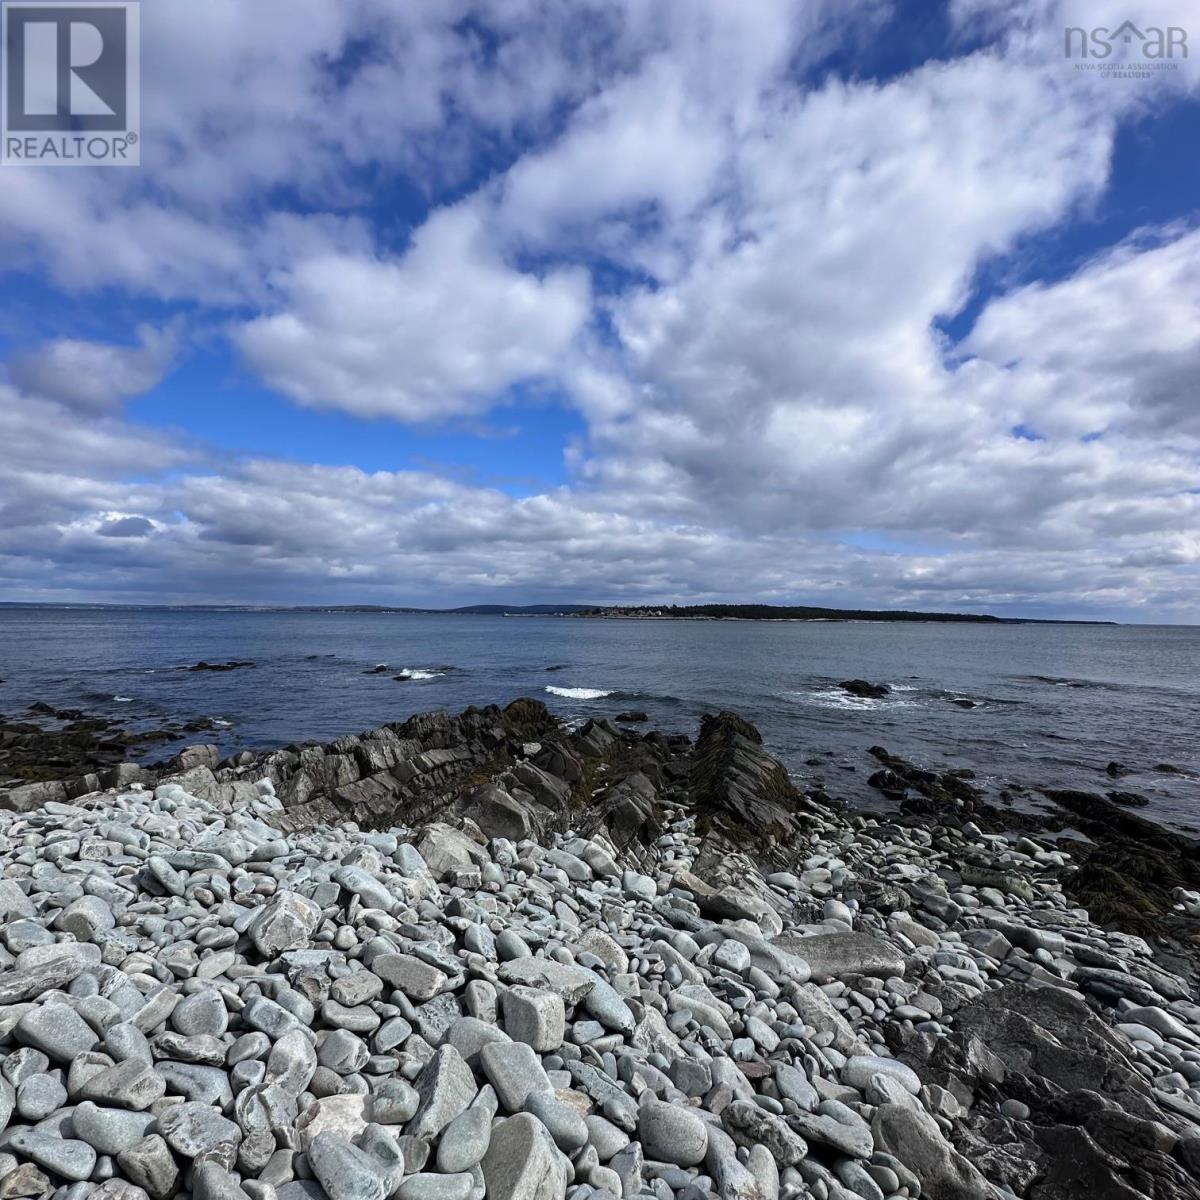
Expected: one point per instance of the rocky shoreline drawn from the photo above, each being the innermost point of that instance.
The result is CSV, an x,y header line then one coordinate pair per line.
x,y
493,956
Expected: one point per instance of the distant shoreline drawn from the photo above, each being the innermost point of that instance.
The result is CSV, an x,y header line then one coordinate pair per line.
x,y
648,612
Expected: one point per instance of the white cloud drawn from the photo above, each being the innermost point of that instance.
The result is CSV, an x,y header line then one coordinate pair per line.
x,y
1114,347
96,377
733,260
438,333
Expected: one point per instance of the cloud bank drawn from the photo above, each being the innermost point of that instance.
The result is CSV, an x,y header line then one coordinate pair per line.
x,y
815,318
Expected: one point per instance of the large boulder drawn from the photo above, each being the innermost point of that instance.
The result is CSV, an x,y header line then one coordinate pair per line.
x,y
523,1163
498,814
737,785
28,796
833,955
912,1136
1050,1034
206,755
446,849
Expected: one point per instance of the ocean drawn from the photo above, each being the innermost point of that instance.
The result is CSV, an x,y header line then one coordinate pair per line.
x,y
1053,704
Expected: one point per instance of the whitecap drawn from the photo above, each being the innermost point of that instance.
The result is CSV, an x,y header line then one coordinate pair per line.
x,y
420,673
836,698
579,693
123,699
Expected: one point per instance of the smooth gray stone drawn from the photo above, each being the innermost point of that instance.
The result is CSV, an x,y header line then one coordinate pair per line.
x,y
436,1187
605,1004
22,1063
343,1052
860,1068
392,1033
85,917
57,1030
300,1189
125,1040
150,1165
285,922
201,1013
764,1169
360,987
130,1084
67,1157
535,1017
109,1130
833,955
193,1128
468,1035
913,1138
855,1176
445,1088
514,1070
39,1095
750,1124
345,1171
464,1141
384,1147
118,1189
366,887
523,1163
672,1133
607,1138
291,1063
570,982
394,1103
794,1085
211,1181
510,945
564,1124
835,1125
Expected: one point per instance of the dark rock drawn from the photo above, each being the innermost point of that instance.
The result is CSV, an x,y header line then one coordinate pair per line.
x,y
594,739
232,665
1128,799
1051,1033
865,690
1079,1167
889,783
633,716
737,785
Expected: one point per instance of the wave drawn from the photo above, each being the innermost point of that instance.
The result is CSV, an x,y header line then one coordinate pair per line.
x,y
836,698
414,674
579,693
1060,681
123,699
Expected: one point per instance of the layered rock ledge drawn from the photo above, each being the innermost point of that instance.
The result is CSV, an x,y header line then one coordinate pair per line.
x,y
491,956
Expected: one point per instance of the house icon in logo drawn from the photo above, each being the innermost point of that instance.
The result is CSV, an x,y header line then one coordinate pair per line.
x,y
1152,43
1127,32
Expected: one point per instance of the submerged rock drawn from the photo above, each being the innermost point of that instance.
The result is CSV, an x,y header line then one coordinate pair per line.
x,y
865,690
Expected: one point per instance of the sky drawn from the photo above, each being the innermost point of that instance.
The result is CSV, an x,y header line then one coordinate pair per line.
x,y
837,302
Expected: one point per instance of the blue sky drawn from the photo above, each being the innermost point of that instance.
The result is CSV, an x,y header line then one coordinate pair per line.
x,y
792,301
